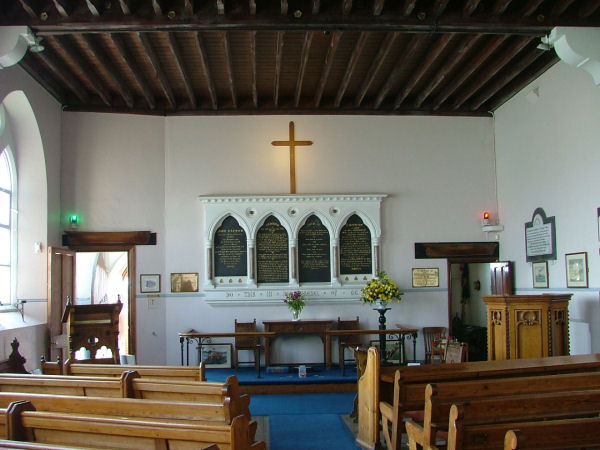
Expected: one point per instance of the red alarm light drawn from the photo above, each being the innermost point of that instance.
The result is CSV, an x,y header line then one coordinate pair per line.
x,y
485,218
486,215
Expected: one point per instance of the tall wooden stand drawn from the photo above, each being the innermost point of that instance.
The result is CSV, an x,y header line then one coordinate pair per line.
x,y
527,326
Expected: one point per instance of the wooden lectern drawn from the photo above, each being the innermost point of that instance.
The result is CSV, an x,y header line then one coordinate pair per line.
x,y
527,326
92,327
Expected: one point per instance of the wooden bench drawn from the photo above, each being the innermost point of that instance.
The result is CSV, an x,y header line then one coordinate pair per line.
x,y
483,423
130,385
212,419
563,434
379,384
27,423
439,398
181,373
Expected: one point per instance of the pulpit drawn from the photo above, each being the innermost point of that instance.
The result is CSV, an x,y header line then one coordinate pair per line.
x,y
93,327
527,326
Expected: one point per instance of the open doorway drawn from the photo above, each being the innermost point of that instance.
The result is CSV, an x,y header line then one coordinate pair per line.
x,y
102,278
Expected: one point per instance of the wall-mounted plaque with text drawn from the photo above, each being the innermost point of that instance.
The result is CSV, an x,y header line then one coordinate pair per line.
x,y
314,255
426,277
272,252
230,249
540,237
355,247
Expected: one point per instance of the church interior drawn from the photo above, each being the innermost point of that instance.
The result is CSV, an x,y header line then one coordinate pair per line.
x,y
218,184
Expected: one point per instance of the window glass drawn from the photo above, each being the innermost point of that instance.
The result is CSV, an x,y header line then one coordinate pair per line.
x,y
4,208
4,246
5,285
5,178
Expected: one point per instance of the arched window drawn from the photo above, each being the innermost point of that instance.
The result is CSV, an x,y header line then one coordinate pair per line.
x,y
8,223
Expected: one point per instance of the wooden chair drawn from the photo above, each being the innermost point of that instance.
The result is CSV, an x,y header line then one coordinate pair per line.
x,y
456,352
429,335
246,342
350,341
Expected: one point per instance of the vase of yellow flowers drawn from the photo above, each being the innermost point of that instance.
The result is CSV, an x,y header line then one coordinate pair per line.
x,y
380,291
296,301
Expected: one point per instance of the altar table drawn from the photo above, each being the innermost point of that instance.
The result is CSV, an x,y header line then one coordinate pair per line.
x,y
313,327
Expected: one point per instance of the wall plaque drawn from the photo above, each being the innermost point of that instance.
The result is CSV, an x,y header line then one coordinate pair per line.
x,y
355,247
540,237
426,277
272,252
314,256
230,249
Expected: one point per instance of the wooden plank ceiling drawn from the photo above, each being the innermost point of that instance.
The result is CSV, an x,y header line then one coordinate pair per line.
x,y
429,57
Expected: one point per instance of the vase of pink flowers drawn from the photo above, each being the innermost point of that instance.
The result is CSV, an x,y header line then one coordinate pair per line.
x,y
295,301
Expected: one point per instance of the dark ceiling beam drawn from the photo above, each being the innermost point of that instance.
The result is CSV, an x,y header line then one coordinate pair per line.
x,y
210,84
125,8
590,8
374,67
490,70
179,63
500,6
378,7
144,41
451,62
77,60
64,7
43,77
346,7
252,7
30,8
278,57
439,6
545,62
466,71
392,79
188,7
408,7
561,7
432,54
358,48
224,37
134,69
333,44
62,72
108,67
308,36
96,7
470,7
515,69
253,72
530,7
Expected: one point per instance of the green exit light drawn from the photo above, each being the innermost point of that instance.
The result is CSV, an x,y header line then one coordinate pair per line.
x,y
74,219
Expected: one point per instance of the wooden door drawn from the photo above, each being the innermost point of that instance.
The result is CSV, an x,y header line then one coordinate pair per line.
x,y
61,289
502,278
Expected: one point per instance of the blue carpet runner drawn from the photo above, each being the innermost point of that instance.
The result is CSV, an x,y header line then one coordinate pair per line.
x,y
306,421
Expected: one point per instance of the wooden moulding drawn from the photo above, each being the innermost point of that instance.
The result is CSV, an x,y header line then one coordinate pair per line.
x,y
82,238
424,250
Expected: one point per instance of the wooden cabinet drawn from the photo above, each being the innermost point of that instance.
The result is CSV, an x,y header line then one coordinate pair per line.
x,y
527,326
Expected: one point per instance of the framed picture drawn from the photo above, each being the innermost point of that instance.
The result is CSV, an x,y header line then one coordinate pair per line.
x,y
392,350
540,274
184,282
149,283
217,355
577,270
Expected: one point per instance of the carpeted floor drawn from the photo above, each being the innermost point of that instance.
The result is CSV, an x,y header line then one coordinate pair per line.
x,y
304,421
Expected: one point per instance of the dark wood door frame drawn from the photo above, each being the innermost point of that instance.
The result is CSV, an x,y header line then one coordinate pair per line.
x,y
457,253
115,242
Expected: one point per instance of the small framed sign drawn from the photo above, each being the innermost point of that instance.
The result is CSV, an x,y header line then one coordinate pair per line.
x,y
217,355
149,283
540,274
426,277
577,270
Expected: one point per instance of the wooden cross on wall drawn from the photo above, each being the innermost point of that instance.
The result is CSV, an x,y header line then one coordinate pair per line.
x,y
292,143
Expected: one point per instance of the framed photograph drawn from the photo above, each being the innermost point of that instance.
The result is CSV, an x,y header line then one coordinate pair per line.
x,y
149,283
184,282
426,277
577,270
217,355
540,274
392,350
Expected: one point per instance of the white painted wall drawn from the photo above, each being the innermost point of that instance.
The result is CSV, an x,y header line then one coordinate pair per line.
x,y
134,172
547,156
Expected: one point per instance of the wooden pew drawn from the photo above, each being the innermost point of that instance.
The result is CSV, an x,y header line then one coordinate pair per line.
x,y
15,362
483,423
555,434
400,397
439,398
130,385
208,418
181,373
27,423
